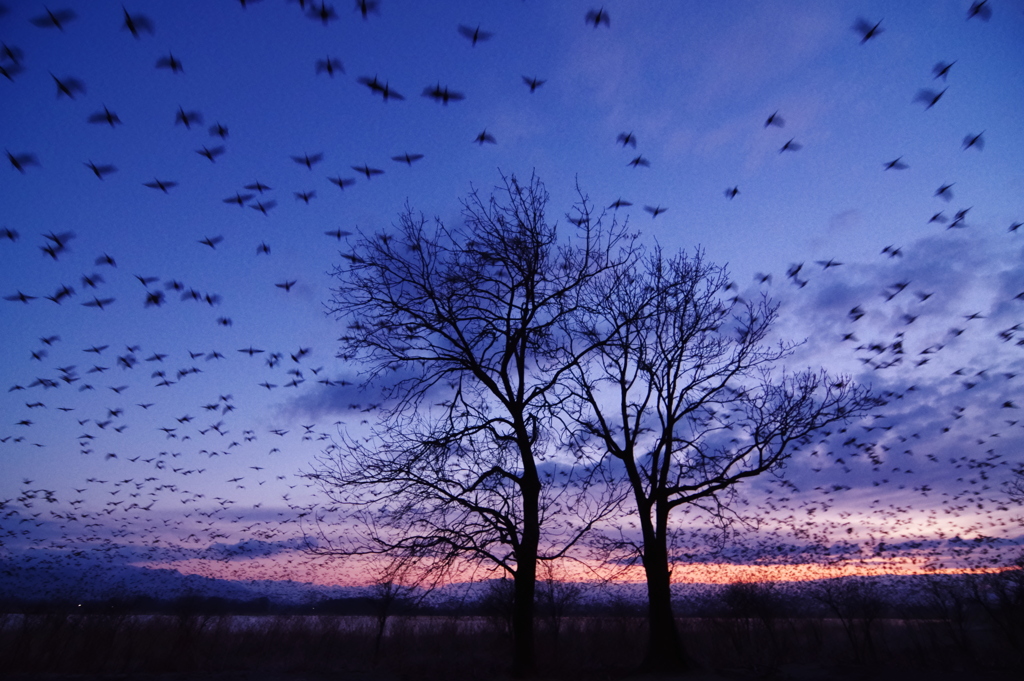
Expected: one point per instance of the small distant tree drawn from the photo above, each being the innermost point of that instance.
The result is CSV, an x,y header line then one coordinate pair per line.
x,y
688,397
463,328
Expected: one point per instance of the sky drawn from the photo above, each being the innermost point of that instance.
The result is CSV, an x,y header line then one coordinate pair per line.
x,y
141,427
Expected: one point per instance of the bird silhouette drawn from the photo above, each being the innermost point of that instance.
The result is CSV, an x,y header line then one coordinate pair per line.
x,y
867,30
169,62
368,171
979,9
307,160
376,87
407,158
162,185
106,116
485,136
19,161
68,86
100,171
137,23
342,182
534,83
329,66
211,154
474,35
941,70
976,141
598,17
54,19
929,97
442,94
187,118
626,138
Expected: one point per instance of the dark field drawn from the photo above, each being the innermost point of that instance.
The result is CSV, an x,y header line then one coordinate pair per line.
x,y
756,644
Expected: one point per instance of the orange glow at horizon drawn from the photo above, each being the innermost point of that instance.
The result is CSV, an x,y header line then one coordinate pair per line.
x,y
321,573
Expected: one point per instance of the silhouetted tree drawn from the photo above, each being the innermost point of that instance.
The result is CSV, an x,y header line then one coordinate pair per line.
x,y
686,394
464,329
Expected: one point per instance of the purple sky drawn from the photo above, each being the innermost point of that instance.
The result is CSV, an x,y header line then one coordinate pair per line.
x,y
694,83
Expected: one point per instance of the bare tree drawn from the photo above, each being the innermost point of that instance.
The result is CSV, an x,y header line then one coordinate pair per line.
x,y
463,328
686,395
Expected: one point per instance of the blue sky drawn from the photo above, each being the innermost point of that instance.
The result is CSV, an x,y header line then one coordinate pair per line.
x,y
693,82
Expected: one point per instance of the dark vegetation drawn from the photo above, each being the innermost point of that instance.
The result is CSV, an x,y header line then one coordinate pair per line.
x,y
937,625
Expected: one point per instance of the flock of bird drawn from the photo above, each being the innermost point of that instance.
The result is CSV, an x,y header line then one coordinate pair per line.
x,y
226,497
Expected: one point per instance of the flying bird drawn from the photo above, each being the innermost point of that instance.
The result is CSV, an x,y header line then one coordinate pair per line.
x,y
974,141
329,66
364,7
100,171
534,83
305,196
866,30
287,285
598,17
776,120
639,161
13,53
375,86
258,186
929,97
407,158
263,207
655,211
169,62
619,203
106,116
218,130
731,192
9,71
626,138
68,86
368,171
791,145
324,13
338,234
474,34
54,19
342,182
187,118
19,161
941,70
212,241
211,154
442,94
162,185
980,10
240,199
485,137
136,23
945,192
307,160
896,164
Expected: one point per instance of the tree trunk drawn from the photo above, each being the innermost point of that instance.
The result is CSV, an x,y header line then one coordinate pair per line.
x,y
665,651
523,658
